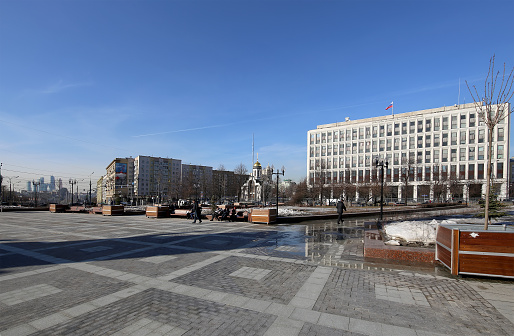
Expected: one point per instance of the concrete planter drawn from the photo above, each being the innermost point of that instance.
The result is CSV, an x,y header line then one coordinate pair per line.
x,y
469,249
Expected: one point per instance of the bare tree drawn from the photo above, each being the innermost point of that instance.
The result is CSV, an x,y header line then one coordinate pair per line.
x,y
492,107
407,174
240,177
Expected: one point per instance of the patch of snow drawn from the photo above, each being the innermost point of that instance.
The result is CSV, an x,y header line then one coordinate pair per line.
x,y
412,231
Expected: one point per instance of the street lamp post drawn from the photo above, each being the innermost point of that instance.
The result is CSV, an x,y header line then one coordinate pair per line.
x,y
90,188
72,183
381,164
10,188
278,172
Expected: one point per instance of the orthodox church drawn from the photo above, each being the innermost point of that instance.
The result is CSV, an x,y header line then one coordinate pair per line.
x,y
254,187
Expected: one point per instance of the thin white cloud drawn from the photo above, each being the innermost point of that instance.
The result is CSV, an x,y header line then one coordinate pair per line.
x,y
61,86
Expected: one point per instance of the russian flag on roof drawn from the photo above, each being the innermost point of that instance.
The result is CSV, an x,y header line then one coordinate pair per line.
x,y
390,105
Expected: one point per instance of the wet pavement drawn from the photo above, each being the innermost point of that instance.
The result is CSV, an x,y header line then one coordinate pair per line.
x,y
78,274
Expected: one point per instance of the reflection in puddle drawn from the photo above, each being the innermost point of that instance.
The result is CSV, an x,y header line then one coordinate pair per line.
x,y
315,239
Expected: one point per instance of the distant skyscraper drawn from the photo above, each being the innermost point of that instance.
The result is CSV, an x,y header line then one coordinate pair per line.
x,y
59,183
52,183
29,186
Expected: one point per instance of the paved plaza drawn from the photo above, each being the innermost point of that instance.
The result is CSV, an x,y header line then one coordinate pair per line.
x,y
78,274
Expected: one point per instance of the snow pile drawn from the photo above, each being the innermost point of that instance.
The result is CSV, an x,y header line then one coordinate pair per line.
x,y
291,212
412,232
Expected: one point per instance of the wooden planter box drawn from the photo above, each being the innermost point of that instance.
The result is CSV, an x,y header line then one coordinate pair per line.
x,y
113,210
158,211
57,208
469,249
266,216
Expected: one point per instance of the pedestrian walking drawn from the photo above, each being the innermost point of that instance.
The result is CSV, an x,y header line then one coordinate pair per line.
x,y
196,211
340,208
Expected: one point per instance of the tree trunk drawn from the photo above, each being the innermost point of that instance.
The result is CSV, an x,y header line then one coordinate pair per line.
x,y
488,183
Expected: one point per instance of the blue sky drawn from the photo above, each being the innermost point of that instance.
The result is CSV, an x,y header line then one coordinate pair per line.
x,y
83,82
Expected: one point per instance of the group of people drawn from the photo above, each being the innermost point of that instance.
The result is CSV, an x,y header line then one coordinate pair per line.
x,y
224,214
219,214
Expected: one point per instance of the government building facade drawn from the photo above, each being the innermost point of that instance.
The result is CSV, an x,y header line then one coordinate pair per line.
x,y
432,155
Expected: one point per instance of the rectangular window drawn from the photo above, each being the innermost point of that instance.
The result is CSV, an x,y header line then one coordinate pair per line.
x,y
499,170
436,156
480,152
436,140
437,124
419,159
445,139
412,127
428,141
348,149
462,154
420,126
329,135
404,128
471,171
388,147
427,174
361,147
462,172
481,136
382,145
445,155
428,125
396,175
396,143
318,139
412,143
462,137
368,146
368,132
471,136
375,131
463,121
311,142
397,129
501,134
335,150
454,154
382,130
324,138
389,129
348,135
435,175
336,136
354,134
354,148
427,156
480,171
420,174
472,121
323,150
500,152
361,133
454,138
471,153
420,141
454,122
404,143
445,123
396,159
374,145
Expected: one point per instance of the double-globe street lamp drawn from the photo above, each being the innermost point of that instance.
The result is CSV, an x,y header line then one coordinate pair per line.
x,y
381,164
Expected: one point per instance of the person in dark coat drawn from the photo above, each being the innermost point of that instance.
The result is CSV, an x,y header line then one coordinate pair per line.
x,y
340,208
196,211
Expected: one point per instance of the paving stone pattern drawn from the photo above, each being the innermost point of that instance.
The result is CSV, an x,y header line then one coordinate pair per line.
x,y
79,274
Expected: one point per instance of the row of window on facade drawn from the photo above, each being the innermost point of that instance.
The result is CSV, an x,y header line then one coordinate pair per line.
x,y
400,128
403,143
418,157
427,174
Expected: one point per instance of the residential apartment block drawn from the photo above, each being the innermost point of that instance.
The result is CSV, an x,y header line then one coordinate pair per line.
x,y
432,154
146,178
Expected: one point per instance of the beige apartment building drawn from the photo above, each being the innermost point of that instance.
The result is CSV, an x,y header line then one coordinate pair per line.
x,y
118,182
433,154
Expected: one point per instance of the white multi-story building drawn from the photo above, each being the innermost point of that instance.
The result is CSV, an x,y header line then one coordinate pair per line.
x,y
424,150
156,177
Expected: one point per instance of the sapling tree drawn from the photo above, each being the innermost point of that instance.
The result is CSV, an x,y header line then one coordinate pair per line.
x,y
492,106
